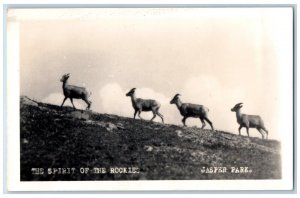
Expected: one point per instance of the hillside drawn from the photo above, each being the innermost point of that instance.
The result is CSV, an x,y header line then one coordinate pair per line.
x,y
63,144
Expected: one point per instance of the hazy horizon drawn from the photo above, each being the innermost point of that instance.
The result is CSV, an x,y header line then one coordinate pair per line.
x,y
216,57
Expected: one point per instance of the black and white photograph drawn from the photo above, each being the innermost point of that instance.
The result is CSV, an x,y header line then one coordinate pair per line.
x,y
169,95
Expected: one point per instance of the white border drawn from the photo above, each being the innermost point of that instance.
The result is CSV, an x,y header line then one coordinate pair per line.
x,y
13,178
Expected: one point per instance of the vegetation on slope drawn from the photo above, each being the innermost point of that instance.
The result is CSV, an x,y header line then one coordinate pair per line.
x,y
63,144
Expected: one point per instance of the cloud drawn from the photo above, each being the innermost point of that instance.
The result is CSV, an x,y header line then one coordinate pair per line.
x,y
202,89
112,100
209,91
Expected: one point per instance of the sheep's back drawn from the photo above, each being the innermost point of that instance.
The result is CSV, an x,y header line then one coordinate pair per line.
x,y
76,92
254,120
193,110
147,104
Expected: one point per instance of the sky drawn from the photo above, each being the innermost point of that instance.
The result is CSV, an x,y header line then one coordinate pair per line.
x,y
216,57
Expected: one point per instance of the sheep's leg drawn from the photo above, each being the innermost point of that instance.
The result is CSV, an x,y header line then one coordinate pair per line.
x,y
88,103
247,130
63,101
161,116
240,129
135,111
72,103
140,115
259,130
183,121
154,115
203,123
267,132
210,123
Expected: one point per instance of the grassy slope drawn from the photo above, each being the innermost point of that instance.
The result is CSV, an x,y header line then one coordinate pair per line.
x,y
52,137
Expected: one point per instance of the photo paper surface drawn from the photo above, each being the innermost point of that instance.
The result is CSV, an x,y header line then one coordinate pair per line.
x,y
150,98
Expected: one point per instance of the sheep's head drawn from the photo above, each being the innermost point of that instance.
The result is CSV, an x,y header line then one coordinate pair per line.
x,y
131,92
237,107
175,98
64,77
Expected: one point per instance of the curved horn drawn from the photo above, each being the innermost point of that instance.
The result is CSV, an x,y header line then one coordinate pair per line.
x,y
177,95
133,89
239,104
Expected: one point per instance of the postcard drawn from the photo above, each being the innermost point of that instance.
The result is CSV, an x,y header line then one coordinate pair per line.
x,y
150,98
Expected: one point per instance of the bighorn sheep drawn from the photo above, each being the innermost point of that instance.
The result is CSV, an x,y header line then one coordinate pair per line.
x,y
192,110
71,91
249,121
140,105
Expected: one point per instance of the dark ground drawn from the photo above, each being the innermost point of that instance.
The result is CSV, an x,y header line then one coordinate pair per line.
x,y
52,137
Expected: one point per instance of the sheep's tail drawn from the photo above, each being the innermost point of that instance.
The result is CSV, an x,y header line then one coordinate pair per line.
x,y
88,93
